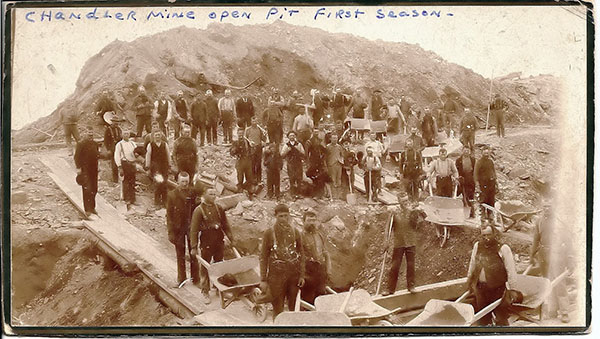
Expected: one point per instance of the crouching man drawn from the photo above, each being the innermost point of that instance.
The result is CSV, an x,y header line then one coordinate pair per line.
x,y
318,264
282,261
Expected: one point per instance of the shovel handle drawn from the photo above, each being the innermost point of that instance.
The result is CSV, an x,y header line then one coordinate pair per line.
x,y
330,290
489,308
346,299
298,301
463,297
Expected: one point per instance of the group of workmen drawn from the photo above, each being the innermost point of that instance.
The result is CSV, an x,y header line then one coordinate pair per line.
x,y
290,260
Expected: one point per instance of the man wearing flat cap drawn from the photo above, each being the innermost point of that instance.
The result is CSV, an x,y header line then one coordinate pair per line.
x,y
282,261
317,264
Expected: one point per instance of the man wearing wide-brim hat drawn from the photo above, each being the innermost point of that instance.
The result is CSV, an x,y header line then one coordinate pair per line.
x,y
112,135
86,160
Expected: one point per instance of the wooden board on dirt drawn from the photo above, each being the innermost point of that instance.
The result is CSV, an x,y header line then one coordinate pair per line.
x,y
384,196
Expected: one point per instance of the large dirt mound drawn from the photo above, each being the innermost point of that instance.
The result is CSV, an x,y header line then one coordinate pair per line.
x,y
290,58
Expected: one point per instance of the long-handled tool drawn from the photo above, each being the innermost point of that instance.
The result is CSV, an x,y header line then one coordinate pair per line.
x,y
389,231
350,197
370,189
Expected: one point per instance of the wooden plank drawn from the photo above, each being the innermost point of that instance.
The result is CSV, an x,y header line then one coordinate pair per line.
x,y
403,300
155,261
384,196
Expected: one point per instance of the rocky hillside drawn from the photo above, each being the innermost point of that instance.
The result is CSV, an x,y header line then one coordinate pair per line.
x,y
290,58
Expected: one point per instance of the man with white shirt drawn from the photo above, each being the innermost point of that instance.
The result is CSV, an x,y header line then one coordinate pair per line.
x,y
445,173
303,126
377,146
125,160
227,111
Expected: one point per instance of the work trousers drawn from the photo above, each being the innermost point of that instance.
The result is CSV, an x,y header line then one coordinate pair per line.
x,y
244,122
187,164
467,187
181,269
214,252
412,186
275,132
211,132
295,176
399,252
500,123
303,136
89,191
488,196
452,123
143,122
273,182
468,140
199,128
162,125
227,118
335,173
176,126
485,295
114,169
128,181
339,113
429,139
243,167
375,183
257,152
160,189
283,279
71,133
444,186
315,281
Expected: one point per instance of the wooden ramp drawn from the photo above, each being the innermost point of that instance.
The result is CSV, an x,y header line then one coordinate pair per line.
x,y
156,261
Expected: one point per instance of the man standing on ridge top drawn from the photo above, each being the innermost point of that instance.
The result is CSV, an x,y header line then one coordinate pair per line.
x,y
143,106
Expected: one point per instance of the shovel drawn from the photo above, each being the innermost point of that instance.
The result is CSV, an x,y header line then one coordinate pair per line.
x,y
350,197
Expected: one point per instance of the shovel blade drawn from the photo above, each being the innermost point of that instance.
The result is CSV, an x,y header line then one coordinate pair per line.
x,y
351,198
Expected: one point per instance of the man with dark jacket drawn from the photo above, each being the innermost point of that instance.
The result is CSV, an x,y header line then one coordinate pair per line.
x,y
245,110
404,232
485,176
428,129
143,106
498,108
212,117
466,167
105,104
293,152
157,160
317,262
468,126
210,222
318,107
69,118
112,135
339,106
86,160
256,137
180,204
282,260
180,115
376,105
185,153
450,114
274,117
243,166
411,167
162,107
199,119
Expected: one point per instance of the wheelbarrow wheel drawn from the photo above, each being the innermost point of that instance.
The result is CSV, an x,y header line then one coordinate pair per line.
x,y
383,322
260,312
445,236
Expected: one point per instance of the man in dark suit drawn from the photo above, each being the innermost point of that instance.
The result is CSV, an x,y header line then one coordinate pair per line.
x,y
86,160
466,167
245,110
112,135
180,204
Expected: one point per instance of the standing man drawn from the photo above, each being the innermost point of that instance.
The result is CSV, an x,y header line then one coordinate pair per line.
x,y
379,149
241,150
274,117
273,163
318,106
372,176
163,111
428,129
303,126
405,109
445,174
125,160
157,160
466,167
181,113
143,106
411,167
418,142
180,206
112,135
245,110
404,232
105,104
499,106
185,153
468,126
213,117
282,261
350,160
227,112
209,220
69,119
199,119
335,160
338,105
485,176
86,160
293,152
450,113
376,105
317,262
256,137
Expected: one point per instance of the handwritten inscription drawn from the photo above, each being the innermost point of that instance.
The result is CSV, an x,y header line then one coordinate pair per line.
x,y
230,14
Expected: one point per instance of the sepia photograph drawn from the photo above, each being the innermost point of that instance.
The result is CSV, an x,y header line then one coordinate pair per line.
x,y
334,168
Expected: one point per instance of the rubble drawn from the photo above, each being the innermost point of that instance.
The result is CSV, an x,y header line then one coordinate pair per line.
x,y
19,197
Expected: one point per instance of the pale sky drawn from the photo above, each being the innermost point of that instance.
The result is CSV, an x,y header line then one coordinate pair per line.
x,y
489,40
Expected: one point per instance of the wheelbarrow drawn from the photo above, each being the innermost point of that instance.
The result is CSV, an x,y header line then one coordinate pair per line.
x,y
329,317
360,308
512,211
245,271
445,212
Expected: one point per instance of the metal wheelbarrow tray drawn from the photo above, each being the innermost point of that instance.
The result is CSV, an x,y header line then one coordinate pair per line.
x,y
515,212
244,269
445,212
360,309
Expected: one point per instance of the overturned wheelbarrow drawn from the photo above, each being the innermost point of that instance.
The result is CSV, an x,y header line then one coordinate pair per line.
x,y
450,313
335,317
360,309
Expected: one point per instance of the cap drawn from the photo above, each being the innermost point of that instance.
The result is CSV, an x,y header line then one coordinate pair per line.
x,y
280,208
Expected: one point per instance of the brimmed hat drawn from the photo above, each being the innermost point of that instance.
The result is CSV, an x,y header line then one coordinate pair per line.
x,y
110,117
281,208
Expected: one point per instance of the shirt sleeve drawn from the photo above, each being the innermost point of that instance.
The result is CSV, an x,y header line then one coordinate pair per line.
x,y
225,223
117,155
195,227
265,252
453,169
148,154
300,250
